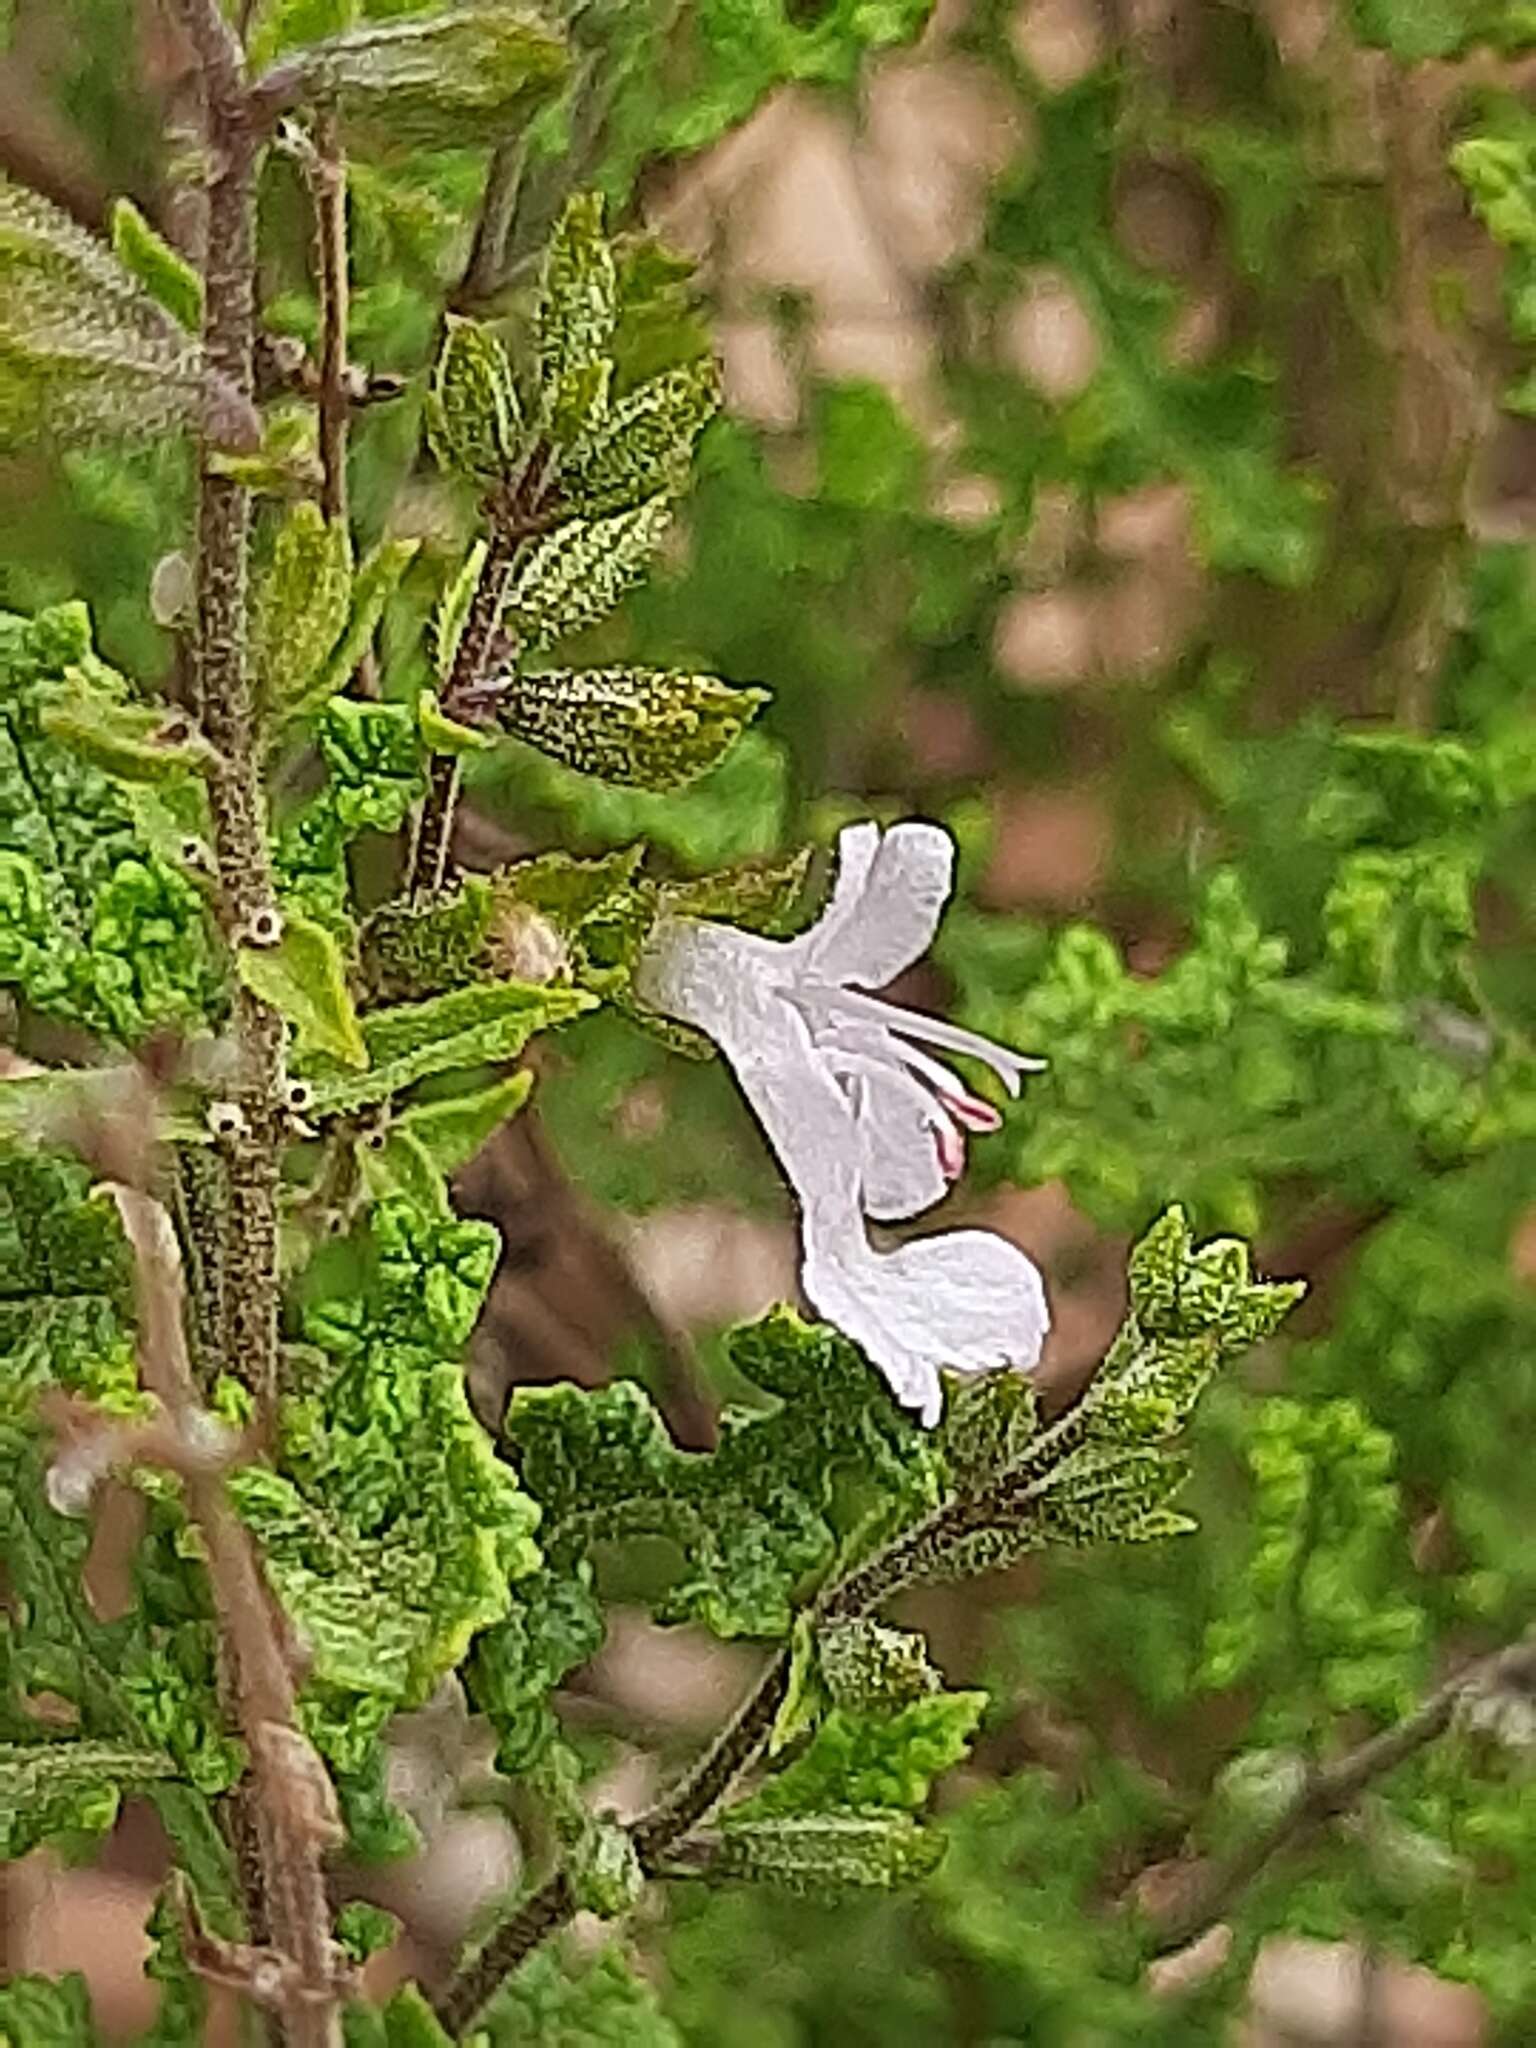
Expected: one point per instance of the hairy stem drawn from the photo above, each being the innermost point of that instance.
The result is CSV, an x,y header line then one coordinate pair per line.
x,y
733,1752
471,665
286,1793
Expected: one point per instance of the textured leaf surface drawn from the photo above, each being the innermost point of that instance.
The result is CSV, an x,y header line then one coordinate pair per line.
x,y
97,925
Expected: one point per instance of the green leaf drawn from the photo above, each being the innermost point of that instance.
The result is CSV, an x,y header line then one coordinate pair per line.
x,y
578,299
279,25
302,602
453,609
44,2012
467,1027
643,446
761,896
860,1762
443,735
752,1523
374,585
433,80
163,271
575,576
869,1667
130,742
85,352
304,978
99,926
391,1531
365,1930
643,728
453,1130
411,952
473,418
822,1855
561,1999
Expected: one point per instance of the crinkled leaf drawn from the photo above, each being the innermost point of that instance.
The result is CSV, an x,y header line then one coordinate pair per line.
x,y
753,1521
862,1762
390,1529
98,926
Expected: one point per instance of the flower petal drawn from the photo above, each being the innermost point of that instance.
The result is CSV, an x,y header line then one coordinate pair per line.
x,y
885,905
965,1299
900,1127
725,983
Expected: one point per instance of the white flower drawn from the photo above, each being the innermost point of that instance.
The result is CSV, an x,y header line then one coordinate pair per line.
x,y
864,1121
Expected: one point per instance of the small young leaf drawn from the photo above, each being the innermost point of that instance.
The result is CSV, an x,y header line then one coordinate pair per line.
x,y
373,587
131,742
467,1027
823,1854
472,414
643,446
443,735
452,1131
453,610
304,978
646,728
158,267
578,302
164,273
302,601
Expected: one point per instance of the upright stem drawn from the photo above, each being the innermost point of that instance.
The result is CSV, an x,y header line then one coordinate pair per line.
x,y
472,663
289,1848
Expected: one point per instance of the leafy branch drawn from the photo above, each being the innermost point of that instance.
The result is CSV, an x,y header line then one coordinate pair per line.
x,y
1329,1790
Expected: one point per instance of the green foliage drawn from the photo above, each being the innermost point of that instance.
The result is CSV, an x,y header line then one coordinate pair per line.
x,y
99,926
646,728
599,2002
164,274
434,80
473,415
1297,996
303,977
85,349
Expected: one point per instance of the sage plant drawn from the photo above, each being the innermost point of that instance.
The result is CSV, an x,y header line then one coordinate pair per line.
x,y
246,1053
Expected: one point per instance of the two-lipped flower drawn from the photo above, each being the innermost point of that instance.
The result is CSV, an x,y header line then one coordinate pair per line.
x,y
866,1121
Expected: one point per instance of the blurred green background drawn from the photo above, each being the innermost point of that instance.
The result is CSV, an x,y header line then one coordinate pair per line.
x,y
1127,460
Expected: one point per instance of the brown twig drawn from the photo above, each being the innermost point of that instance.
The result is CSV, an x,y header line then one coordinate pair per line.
x,y
325,172
1332,1789
291,1803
